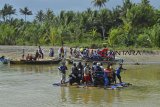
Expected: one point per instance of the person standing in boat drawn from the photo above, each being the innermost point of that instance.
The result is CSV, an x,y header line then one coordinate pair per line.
x,y
62,52
75,52
27,57
80,70
51,52
93,70
59,53
106,76
31,57
71,51
91,53
94,67
40,52
112,75
63,69
118,71
23,54
99,68
37,55
109,71
74,75
74,70
65,52
87,74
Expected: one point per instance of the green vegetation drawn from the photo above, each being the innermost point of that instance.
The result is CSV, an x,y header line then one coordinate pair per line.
x,y
129,25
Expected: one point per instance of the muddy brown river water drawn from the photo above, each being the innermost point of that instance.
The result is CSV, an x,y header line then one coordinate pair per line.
x,y
31,86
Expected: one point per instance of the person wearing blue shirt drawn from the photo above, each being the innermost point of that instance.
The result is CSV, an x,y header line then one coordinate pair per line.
x,y
63,69
118,71
105,76
51,52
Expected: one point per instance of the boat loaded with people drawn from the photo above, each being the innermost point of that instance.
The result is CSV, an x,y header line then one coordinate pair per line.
x,y
35,59
35,62
110,87
84,76
90,55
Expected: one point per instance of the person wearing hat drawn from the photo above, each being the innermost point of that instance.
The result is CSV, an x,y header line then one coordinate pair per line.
x,y
118,71
63,69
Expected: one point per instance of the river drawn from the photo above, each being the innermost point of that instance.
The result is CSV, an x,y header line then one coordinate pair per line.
x,y
31,86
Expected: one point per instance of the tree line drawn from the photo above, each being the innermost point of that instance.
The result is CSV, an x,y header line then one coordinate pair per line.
x,y
129,24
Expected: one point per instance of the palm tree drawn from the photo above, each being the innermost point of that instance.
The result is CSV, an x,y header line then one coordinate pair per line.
x,y
127,4
10,11
25,12
104,17
6,11
40,16
145,2
0,15
49,15
99,3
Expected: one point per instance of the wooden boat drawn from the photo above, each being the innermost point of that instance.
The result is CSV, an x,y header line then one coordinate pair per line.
x,y
37,62
72,60
110,87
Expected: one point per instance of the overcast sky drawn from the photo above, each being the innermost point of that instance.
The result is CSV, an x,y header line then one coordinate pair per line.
x,y
58,5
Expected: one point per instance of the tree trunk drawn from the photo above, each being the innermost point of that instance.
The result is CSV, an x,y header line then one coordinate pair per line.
x,y
103,32
4,19
25,18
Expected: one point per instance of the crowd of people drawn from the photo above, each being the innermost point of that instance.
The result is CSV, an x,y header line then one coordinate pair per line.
x,y
84,73
39,54
91,53
95,74
85,53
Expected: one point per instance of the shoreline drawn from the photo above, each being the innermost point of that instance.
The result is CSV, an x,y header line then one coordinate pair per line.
x,y
15,52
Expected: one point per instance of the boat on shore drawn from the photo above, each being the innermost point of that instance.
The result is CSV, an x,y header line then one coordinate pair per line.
x,y
35,62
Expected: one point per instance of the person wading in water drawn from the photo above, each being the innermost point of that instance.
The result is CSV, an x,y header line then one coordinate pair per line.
x,y
63,69
118,71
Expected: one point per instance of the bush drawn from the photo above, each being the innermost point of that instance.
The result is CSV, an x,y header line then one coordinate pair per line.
x,y
143,40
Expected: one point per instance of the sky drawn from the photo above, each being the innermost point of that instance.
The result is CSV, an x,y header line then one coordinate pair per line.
x,y
58,5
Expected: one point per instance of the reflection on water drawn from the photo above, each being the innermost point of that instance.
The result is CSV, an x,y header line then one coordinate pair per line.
x,y
85,96
31,86
34,68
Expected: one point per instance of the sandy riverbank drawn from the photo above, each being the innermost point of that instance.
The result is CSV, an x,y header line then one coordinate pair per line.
x,y
15,52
